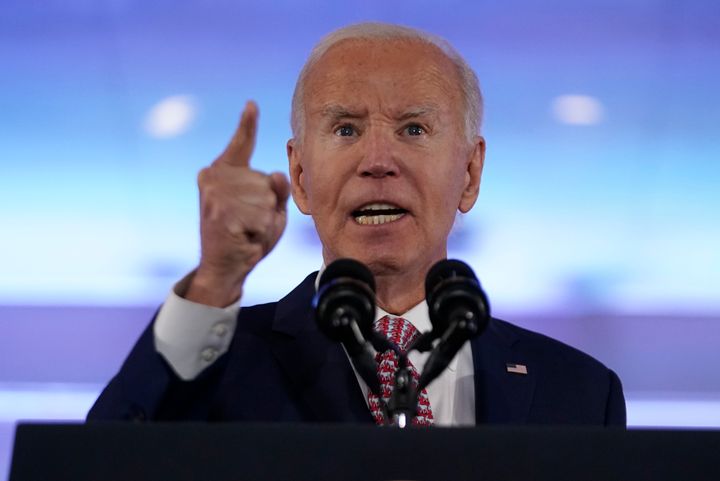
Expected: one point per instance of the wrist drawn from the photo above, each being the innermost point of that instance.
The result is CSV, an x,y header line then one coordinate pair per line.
x,y
213,289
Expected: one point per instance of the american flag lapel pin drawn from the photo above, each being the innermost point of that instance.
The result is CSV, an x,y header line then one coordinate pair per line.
x,y
516,368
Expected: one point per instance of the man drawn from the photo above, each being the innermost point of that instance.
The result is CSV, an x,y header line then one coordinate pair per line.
x,y
385,151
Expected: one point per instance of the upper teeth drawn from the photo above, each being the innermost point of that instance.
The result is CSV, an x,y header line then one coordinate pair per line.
x,y
378,206
376,219
362,217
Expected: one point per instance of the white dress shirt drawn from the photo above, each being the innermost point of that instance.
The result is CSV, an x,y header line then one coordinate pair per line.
x,y
191,336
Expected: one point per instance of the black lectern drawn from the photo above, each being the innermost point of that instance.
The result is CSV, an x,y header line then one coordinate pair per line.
x,y
190,451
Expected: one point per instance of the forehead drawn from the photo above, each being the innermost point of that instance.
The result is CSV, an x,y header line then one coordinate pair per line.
x,y
389,73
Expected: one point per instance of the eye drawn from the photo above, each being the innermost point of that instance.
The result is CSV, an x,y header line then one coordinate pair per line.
x,y
345,131
414,129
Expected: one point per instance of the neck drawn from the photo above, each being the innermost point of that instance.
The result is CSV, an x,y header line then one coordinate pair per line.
x,y
397,292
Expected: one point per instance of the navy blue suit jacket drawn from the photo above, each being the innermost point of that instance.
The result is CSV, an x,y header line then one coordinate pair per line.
x,y
279,367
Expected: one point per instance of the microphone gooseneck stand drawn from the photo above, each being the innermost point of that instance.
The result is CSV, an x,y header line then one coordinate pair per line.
x,y
400,410
403,401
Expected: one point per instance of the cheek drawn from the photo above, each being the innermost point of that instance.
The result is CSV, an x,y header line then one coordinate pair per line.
x,y
315,185
447,188
328,174
323,190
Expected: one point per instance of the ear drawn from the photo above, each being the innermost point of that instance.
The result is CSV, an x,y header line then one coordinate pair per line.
x,y
473,176
297,186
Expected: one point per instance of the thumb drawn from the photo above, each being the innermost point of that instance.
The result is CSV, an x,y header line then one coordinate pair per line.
x,y
281,187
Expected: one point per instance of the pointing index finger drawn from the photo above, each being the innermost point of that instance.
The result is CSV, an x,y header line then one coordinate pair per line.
x,y
241,145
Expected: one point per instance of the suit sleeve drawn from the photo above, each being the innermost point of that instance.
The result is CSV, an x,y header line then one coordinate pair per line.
x,y
615,414
137,390
146,388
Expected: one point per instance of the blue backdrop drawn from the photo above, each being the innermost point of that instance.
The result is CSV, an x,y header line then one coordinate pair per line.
x,y
597,221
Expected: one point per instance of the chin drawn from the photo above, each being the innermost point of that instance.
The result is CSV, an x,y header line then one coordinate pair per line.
x,y
386,257
386,261
378,259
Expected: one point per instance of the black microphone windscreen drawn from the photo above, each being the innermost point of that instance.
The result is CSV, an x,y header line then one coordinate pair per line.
x,y
347,268
447,269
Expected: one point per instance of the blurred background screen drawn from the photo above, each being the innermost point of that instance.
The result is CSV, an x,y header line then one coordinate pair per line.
x,y
597,223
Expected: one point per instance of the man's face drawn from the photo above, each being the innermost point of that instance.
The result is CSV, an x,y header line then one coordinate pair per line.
x,y
384,163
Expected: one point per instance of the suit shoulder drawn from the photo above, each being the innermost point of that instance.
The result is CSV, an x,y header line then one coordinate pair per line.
x,y
547,348
287,314
571,386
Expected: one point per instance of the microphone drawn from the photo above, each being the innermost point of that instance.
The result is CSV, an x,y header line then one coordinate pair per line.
x,y
459,311
345,311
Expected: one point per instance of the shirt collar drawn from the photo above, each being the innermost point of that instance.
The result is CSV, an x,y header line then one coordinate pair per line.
x,y
417,315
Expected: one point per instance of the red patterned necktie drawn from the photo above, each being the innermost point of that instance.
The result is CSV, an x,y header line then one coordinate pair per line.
x,y
402,333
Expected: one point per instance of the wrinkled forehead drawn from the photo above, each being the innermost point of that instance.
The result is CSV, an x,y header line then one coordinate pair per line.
x,y
391,72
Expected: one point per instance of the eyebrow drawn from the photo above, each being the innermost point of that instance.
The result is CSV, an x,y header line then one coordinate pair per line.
x,y
336,111
418,111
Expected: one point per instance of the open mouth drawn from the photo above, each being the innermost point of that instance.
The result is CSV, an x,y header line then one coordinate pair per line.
x,y
378,213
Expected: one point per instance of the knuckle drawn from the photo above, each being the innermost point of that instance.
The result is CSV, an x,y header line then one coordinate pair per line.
x,y
270,199
266,220
252,177
203,176
255,251
258,251
235,227
267,180
208,191
209,211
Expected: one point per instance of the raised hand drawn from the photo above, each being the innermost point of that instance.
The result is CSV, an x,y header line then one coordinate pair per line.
x,y
243,213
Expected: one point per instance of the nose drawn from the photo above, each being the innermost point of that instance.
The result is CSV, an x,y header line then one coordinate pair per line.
x,y
378,157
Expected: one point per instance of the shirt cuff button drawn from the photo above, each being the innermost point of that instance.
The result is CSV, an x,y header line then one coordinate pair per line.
x,y
208,354
220,329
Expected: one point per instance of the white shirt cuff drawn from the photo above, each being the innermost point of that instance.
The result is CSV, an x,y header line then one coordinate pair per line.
x,y
191,336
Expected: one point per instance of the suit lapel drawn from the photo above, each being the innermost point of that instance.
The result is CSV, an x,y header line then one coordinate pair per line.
x,y
319,370
501,397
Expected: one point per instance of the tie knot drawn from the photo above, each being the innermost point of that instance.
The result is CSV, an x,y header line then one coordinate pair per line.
x,y
397,330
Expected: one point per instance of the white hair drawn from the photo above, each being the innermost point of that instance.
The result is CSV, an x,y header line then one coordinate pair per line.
x,y
469,85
